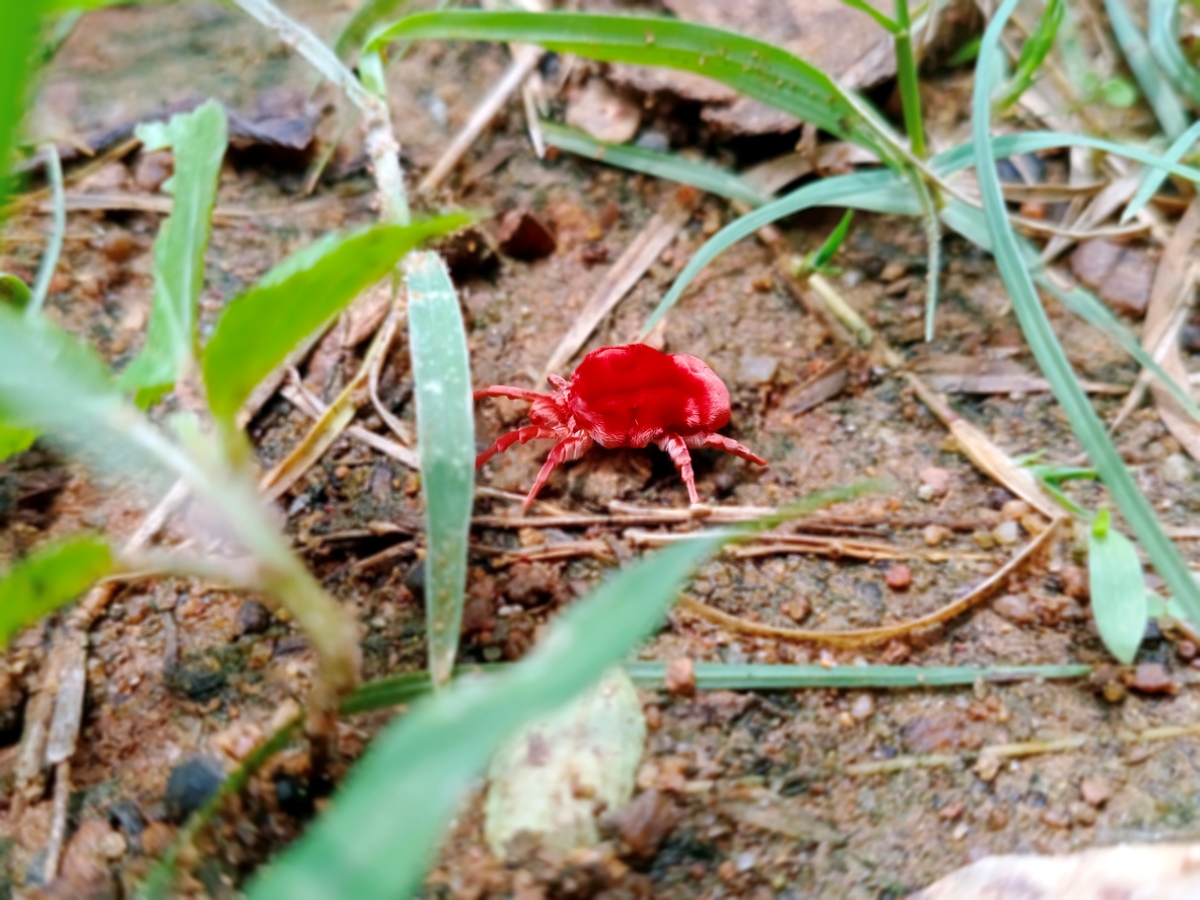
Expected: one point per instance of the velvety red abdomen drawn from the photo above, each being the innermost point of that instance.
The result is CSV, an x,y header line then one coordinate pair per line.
x,y
627,396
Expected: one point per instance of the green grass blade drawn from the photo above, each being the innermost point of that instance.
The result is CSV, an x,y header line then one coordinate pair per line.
x,y
380,832
446,444
1033,53
878,191
672,167
197,140
366,17
260,327
18,36
1049,354
1164,44
1088,307
751,67
1153,179
1167,108
888,24
956,158
58,230
1118,589
49,578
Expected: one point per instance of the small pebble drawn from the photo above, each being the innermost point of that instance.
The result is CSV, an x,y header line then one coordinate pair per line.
x,y
646,822
1081,813
899,577
1016,608
1075,582
1094,791
1007,533
987,767
1056,818
863,708
252,618
951,811
521,235
1015,510
797,610
680,677
1186,650
893,270
936,479
190,784
1153,678
746,860
935,535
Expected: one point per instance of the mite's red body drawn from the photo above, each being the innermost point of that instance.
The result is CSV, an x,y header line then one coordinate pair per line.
x,y
630,396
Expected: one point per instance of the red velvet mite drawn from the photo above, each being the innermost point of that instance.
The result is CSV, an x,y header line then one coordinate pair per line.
x,y
629,396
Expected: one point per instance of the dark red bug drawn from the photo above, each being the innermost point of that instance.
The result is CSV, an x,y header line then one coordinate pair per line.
x,y
629,396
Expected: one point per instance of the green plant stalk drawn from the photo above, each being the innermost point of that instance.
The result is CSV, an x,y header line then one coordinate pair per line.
x,y
1049,353
1033,53
906,76
49,262
1163,18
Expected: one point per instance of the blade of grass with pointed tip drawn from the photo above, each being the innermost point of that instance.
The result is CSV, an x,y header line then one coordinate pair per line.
x,y
50,577
18,36
1152,179
661,165
366,17
260,327
751,67
1049,353
1118,589
380,833
878,191
197,141
1159,93
1033,53
446,445
1163,18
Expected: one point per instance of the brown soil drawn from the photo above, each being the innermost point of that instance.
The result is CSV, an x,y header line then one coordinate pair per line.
x,y
764,808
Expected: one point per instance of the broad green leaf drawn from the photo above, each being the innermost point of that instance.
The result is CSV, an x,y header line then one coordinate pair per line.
x,y
47,579
1164,44
1033,52
1118,589
1158,90
661,165
14,292
14,440
261,326
751,67
1049,353
382,829
197,139
552,777
446,444
19,23
1152,179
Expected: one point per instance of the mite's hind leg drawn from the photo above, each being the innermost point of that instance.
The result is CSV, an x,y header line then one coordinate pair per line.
x,y
565,451
504,390
678,451
520,436
729,445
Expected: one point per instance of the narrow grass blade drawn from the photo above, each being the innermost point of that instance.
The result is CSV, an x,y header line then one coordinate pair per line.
x,y
197,140
1119,602
18,36
58,229
933,239
661,165
49,578
878,191
751,67
1153,179
260,327
888,24
1161,96
397,690
1033,53
446,444
379,834
956,158
365,18
1049,354
1164,44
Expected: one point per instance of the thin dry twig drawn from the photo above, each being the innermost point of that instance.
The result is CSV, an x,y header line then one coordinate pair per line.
x,y
866,637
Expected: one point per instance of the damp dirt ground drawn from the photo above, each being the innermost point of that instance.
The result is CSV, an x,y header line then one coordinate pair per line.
x,y
755,782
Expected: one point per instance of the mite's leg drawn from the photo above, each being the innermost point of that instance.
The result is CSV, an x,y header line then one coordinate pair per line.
x,y
504,390
729,445
675,447
566,450
520,436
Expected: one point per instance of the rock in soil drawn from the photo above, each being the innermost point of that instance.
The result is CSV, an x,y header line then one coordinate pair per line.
x,y
190,784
